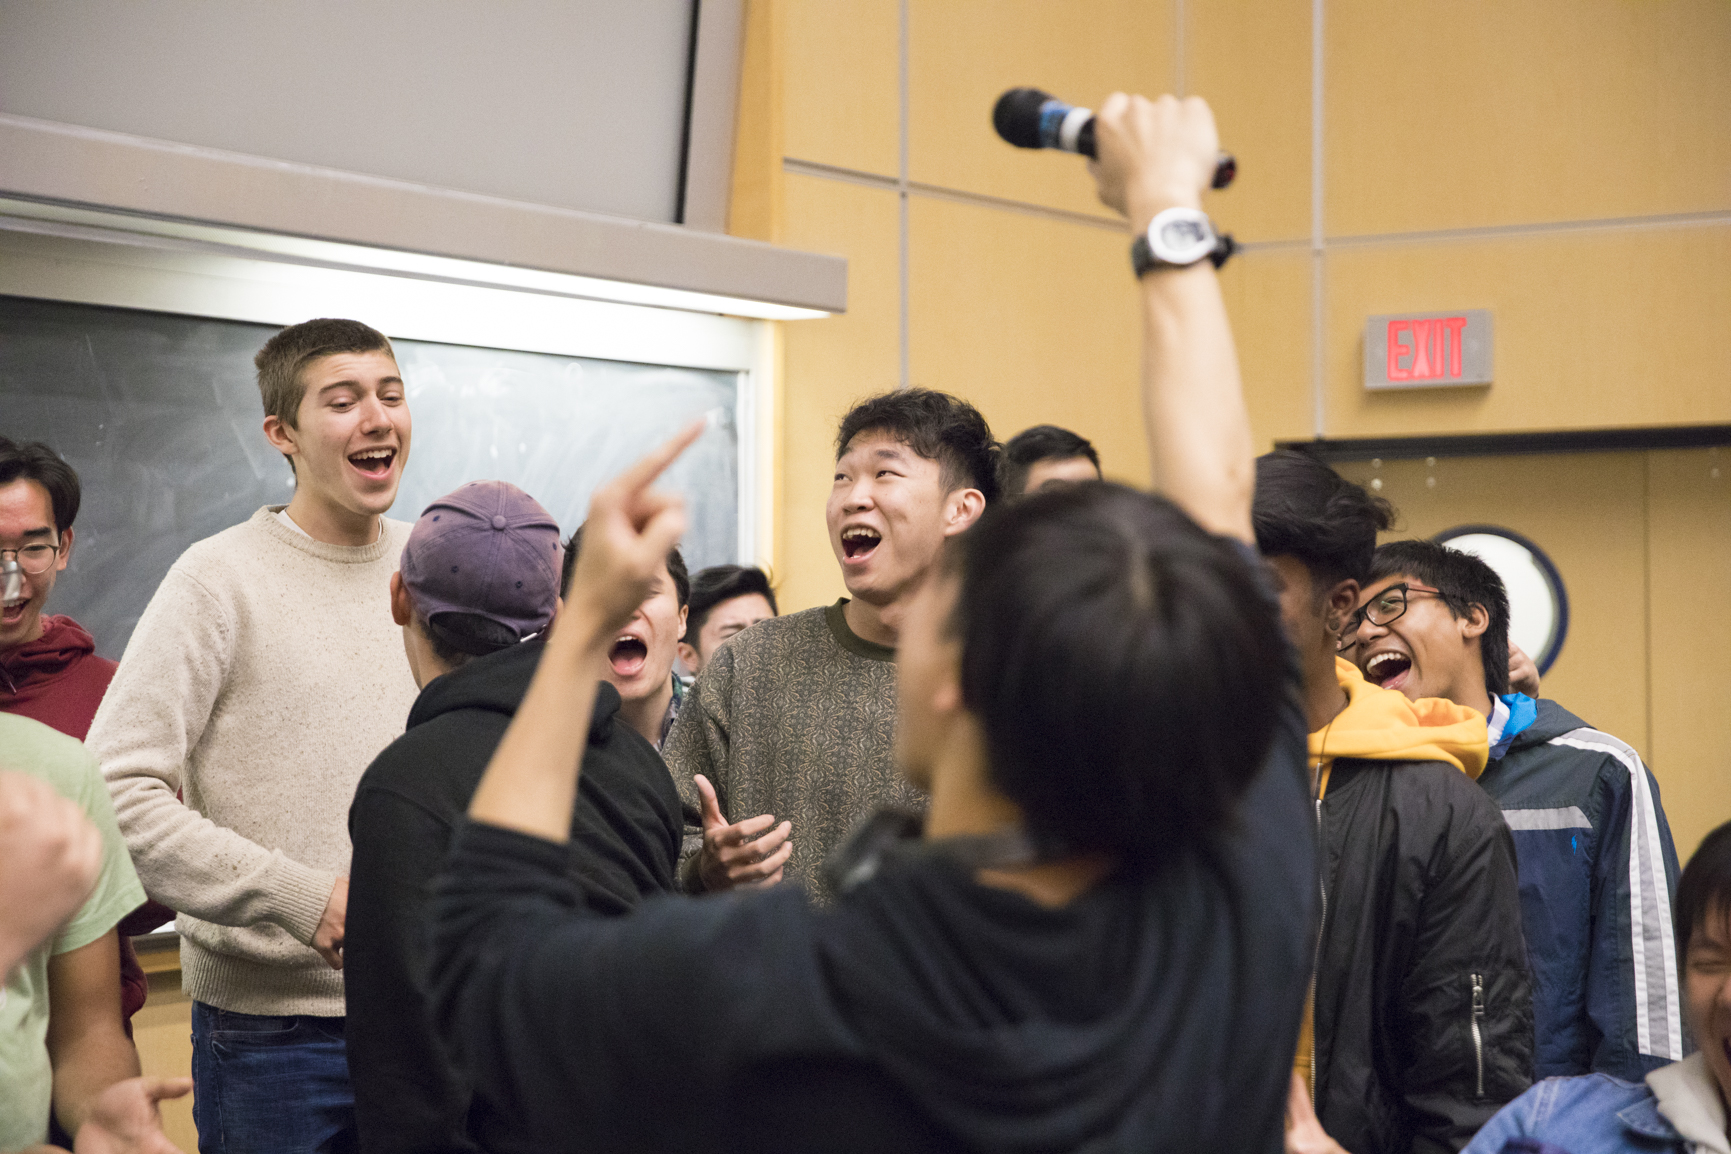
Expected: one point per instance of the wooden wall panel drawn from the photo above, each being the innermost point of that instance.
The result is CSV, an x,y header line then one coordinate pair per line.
x,y
1593,329
828,364
1494,112
1588,512
1251,62
162,1031
1031,319
842,78
1268,297
965,53
1689,547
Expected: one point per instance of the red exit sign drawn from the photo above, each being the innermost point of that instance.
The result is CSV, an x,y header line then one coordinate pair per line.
x,y
1427,350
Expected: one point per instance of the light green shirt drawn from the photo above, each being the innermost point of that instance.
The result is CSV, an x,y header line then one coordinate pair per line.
x,y
26,1080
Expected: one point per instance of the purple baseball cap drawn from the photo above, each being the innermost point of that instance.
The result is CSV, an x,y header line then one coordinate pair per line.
x,y
488,549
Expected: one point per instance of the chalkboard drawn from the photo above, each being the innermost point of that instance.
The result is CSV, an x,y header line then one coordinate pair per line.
x,y
160,415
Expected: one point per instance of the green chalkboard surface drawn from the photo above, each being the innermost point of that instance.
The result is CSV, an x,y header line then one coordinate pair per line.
x,y
160,415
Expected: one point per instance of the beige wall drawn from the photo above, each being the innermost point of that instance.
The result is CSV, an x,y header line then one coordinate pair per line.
x,y
1567,166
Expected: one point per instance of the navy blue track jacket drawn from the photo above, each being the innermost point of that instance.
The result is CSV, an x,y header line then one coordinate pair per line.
x,y
1598,871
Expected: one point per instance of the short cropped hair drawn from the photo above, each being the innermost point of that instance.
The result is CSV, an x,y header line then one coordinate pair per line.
x,y
1704,890
1127,667
35,461
718,583
1304,509
1040,443
939,428
675,569
291,350
459,638
1464,581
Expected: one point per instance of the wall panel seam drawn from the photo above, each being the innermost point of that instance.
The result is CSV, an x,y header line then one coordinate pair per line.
x,y
903,97
1178,76
821,171
1535,229
1647,592
1318,233
939,192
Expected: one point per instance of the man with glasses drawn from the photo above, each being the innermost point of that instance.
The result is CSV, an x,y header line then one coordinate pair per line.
x,y
49,670
50,673
1419,1024
1598,869
48,665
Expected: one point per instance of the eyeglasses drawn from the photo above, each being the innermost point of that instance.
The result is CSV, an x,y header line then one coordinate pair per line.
x,y
1382,609
35,559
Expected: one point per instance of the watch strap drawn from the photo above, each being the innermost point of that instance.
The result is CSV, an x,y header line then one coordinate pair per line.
x,y
1143,260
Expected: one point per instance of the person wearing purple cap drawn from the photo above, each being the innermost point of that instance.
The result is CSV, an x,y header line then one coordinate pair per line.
x,y
478,584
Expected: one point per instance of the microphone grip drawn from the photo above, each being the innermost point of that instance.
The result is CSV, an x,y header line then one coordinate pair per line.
x,y
1224,169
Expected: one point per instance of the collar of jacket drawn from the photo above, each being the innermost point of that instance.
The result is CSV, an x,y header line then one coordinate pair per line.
x,y
1512,714
1686,1102
1382,725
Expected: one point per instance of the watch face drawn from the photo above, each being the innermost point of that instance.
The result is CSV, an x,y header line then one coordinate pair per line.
x,y
1181,237
1181,234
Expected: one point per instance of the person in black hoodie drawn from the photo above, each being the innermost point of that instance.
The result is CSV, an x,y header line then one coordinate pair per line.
x,y
479,574
1100,939
1420,1025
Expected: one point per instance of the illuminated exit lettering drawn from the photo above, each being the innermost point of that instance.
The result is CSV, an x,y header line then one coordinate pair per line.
x,y
1434,351
1428,350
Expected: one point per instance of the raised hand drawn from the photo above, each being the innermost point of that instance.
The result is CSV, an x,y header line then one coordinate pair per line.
x,y
125,1118
1523,672
50,862
1153,154
747,853
1156,155
626,538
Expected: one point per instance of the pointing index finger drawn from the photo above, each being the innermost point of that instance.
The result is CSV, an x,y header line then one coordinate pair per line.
x,y
642,474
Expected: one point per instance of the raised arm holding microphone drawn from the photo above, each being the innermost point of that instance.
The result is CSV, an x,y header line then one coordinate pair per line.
x,y
1098,936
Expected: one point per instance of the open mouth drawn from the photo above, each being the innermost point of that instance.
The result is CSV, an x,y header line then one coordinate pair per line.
x,y
859,542
1387,669
374,463
12,612
628,656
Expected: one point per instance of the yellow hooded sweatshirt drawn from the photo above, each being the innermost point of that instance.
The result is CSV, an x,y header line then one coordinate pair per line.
x,y
1382,725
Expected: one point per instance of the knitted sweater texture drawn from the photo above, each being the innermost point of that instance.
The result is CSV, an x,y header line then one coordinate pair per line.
x,y
262,679
793,717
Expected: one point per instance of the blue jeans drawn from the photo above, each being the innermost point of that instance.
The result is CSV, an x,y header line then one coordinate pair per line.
x,y
270,1085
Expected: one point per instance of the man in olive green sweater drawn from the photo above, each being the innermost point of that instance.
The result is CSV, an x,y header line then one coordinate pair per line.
x,y
262,679
789,728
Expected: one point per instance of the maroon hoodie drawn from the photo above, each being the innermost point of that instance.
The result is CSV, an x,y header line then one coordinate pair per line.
x,y
58,680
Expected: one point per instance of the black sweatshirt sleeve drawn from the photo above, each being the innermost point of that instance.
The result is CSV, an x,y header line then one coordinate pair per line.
x,y
597,1033
407,1095
1468,934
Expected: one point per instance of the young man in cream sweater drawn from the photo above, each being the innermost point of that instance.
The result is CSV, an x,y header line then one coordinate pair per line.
x,y
264,676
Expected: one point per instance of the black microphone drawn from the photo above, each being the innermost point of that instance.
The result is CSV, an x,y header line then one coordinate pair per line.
x,y
1029,118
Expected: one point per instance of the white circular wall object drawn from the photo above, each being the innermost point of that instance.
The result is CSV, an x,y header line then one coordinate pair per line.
x,y
1538,603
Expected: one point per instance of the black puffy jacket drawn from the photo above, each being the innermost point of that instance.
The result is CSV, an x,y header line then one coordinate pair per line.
x,y
1424,1011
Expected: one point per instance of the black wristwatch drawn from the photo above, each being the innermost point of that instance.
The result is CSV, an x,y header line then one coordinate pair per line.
x,y
1179,238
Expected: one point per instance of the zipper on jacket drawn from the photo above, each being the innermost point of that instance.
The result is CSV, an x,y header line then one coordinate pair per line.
x,y
1316,954
1478,1034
